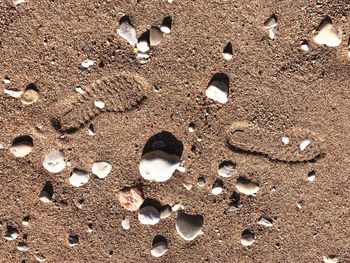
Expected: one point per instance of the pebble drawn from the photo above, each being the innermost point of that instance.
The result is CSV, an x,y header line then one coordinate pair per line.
x,y
13,93
142,46
201,182
87,63
79,90
217,91
143,55
265,221
177,207
217,187
6,80
285,140
271,22
227,55
246,186
99,104
1,146
248,238
55,161
330,259
311,176
25,221
159,249
304,46
227,169
188,186
40,258
22,246
127,31
156,36
91,130
29,96
45,197
165,29
191,127
21,149
78,177
17,2
149,215
131,199
189,226
272,32
165,211
101,169
126,224
11,234
304,144
327,34
73,240
158,165
90,228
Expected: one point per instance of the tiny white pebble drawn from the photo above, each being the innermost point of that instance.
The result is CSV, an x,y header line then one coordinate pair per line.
x,y
304,47
201,182
177,207
101,169
22,246
311,176
89,228
79,90
6,80
216,190
304,144
191,127
17,2
299,205
272,32
78,177
99,104
87,63
170,1
285,140
188,186
227,56
69,164
1,146
126,224
142,46
13,93
165,29
143,55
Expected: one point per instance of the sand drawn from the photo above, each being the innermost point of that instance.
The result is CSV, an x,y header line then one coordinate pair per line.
x,y
273,84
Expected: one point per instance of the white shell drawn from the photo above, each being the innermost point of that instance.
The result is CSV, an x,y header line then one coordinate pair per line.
x,y
79,177
55,161
101,169
158,166
217,91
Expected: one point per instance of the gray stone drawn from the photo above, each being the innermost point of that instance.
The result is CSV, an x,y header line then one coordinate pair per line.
x,y
156,36
127,31
189,226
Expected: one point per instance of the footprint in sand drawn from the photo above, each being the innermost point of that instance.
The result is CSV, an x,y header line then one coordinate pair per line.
x,y
292,146
119,93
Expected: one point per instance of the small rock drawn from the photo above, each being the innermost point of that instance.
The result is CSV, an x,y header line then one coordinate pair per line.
x,y
165,211
1,146
156,36
79,90
21,148
55,161
91,130
217,91
304,144
227,53
327,34
271,22
90,228
330,259
285,140
159,249
191,127
131,199
216,190
227,56
166,25
6,80
127,31
99,104
17,2
201,182
22,246
126,224
142,46
247,187
177,207
272,32
304,46
87,63
30,95
13,93
40,258
158,165
265,221
12,233
25,221
101,169
80,203
165,29
143,55
227,169
73,240
189,226
311,176
248,238
188,186
78,177
149,215
45,197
